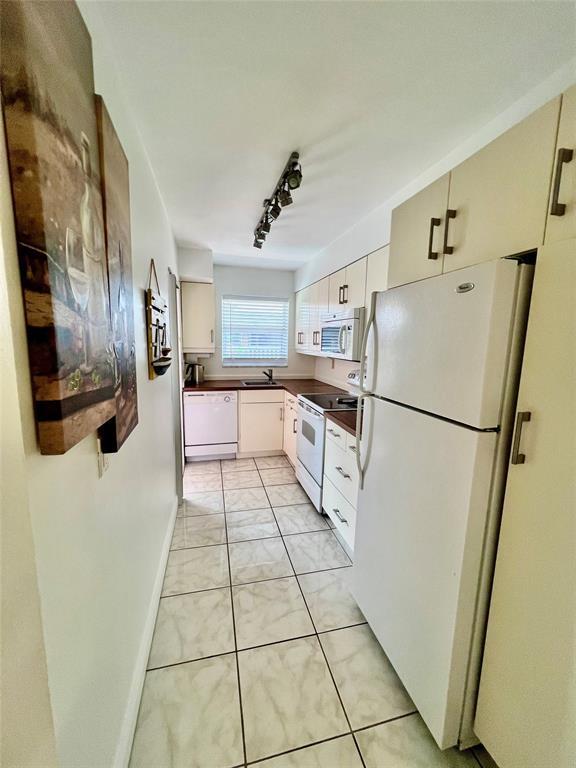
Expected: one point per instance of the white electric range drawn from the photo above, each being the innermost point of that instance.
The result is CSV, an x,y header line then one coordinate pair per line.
x,y
310,443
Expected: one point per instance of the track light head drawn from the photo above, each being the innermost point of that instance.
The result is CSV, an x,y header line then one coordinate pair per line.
x,y
294,176
284,197
257,243
265,225
274,209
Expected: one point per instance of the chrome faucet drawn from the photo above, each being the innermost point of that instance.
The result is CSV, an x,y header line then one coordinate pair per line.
x,y
269,375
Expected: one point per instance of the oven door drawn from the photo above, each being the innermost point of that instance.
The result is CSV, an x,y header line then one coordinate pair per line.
x,y
310,445
333,339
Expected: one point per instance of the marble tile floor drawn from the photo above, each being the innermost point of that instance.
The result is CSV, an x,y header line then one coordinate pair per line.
x,y
260,655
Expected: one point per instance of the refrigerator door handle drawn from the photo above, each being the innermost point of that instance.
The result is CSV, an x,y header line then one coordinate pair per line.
x,y
364,345
359,422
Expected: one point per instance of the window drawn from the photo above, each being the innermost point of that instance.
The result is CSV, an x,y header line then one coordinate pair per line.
x,y
254,331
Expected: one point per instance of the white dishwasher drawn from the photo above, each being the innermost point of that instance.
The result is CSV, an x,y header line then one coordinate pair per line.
x,y
210,424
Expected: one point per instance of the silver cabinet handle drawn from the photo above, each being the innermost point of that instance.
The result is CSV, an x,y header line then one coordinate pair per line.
x,y
294,427
344,474
212,336
352,448
340,516
521,418
281,413
332,432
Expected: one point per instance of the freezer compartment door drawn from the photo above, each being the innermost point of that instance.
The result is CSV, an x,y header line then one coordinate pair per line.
x,y
418,551
442,344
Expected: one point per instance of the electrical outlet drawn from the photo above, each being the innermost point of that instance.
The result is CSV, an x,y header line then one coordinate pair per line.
x,y
103,461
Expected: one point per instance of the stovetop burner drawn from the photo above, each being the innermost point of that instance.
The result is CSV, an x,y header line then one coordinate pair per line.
x,y
335,402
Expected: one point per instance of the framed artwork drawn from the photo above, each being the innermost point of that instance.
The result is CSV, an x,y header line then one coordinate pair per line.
x,y
116,203
50,117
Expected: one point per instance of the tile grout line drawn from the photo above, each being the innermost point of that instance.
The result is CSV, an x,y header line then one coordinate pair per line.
x,y
258,581
243,733
320,644
257,538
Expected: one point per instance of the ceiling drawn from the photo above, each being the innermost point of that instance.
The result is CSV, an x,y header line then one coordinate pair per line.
x,y
369,93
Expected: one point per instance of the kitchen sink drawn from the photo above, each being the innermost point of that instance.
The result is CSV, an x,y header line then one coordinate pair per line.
x,y
260,383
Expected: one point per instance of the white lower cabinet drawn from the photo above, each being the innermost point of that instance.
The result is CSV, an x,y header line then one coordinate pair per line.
x,y
290,427
261,421
341,481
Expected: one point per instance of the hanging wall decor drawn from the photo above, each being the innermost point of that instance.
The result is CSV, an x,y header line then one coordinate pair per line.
x,y
48,101
116,204
159,349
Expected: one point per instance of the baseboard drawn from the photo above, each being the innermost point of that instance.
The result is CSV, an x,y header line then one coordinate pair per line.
x,y
124,747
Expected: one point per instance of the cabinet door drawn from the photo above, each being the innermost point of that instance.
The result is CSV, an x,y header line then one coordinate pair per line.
x,y
319,308
198,317
415,255
561,223
355,285
376,272
290,432
298,308
526,707
336,283
302,338
500,194
261,427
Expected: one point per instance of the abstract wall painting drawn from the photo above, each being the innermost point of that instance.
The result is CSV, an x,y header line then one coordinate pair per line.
x,y
116,202
48,99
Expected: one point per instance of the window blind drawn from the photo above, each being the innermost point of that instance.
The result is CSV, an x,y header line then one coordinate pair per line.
x,y
254,331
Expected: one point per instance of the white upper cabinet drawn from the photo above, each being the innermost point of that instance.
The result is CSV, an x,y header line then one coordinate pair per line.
x,y
347,287
302,340
355,285
561,223
416,235
198,317
337,281
318,309
499,196
377,272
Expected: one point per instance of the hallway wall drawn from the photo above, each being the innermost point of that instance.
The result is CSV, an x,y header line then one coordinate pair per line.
x,y
27,726
100,544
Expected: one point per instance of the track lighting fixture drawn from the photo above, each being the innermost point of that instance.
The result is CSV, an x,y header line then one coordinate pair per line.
x,y
290,179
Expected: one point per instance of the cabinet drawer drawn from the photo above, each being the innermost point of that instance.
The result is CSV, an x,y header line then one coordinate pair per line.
x,y
351,445
262,396
335,433
340,467
290,400
340,511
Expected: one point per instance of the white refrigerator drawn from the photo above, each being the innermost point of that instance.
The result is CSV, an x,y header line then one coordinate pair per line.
x,y
442,359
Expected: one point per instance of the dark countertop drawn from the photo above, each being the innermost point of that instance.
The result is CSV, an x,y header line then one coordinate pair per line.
x,y
293,386
344,419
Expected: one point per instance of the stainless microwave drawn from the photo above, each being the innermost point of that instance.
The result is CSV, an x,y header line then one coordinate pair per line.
x,y
341,334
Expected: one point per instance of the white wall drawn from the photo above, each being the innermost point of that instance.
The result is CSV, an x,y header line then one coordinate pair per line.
x,y
100,544
334,372
247,281
27,725
373,231
195,264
